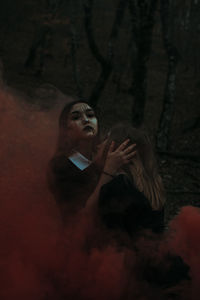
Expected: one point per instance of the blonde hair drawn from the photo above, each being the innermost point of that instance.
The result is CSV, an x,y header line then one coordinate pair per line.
x,y
142,169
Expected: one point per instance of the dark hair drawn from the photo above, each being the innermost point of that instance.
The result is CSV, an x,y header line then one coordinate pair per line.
x,y
64,145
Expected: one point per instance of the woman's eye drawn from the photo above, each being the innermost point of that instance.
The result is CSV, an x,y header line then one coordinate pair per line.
x,y
91,115
75,117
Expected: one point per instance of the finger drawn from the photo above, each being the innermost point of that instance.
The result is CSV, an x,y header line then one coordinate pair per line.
x,y
129,149
130,155
111,148
105,141
123,145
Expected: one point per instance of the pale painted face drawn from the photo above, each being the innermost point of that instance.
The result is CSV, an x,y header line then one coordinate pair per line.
x,y
82,122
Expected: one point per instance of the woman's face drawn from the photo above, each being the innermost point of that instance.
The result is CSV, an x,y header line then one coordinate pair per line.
x,y
82,122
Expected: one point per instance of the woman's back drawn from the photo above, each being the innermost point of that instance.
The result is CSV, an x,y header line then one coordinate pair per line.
x,y
123,207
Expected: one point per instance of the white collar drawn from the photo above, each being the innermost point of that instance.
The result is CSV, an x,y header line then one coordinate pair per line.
x,y
80,161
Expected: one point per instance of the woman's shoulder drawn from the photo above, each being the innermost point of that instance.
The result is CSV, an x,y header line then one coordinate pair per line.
x,y
122,184
119,183
121,178
121,188
61,165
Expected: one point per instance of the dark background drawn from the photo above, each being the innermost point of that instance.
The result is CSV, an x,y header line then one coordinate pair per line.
x,y
137,61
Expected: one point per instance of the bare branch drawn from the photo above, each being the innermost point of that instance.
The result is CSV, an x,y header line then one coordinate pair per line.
x,y
89,30
142,18
43,39
106,63
116,26
170,87
74,49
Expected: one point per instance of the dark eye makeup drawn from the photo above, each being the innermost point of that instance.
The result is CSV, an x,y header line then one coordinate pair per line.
x,y
75,115
90,114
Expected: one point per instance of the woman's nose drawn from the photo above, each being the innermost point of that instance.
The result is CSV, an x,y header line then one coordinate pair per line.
x,y
85,119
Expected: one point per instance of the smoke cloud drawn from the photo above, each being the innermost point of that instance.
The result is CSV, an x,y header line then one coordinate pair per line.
x,y
41,259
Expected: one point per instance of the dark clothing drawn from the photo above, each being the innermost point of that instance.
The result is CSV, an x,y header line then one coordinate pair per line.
x,y
123,207
71,186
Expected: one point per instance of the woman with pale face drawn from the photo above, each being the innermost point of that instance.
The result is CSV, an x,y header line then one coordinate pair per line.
x,y
76,166
82,121
82,128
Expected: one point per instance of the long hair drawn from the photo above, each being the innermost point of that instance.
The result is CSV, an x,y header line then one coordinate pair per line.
x,y
64,143
142,169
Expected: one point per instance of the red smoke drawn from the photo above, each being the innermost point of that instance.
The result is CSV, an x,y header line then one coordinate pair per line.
x,y
39,259
29,226
185,240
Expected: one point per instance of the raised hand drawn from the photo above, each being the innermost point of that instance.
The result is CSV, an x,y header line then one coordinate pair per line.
x,y
115,159
121,156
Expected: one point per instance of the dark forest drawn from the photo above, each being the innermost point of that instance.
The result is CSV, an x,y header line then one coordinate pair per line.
x,y
135,61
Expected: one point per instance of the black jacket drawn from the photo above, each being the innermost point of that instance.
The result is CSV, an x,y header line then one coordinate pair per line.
x,y
123,207
71,186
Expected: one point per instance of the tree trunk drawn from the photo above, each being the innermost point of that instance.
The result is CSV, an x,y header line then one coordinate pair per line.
x,y
74,49
142,17
162,142
105,62
40,48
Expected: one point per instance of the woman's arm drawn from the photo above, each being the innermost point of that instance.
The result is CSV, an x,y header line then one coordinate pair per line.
x,y
114,161
91,203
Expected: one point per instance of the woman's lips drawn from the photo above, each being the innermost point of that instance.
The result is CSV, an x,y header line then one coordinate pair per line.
x,y
88,128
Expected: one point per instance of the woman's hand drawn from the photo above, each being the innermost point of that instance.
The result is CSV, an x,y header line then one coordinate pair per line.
x,y
114,160
118,158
